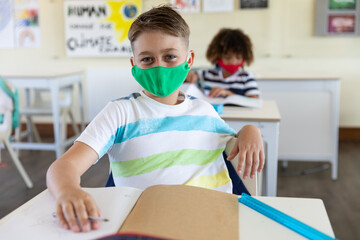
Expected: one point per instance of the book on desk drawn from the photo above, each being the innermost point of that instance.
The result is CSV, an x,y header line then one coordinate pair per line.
x,y
233,100
167,211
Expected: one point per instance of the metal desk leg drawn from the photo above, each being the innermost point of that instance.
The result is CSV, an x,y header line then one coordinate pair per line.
x,y
270,135
28,118
334,88
81,105
56,118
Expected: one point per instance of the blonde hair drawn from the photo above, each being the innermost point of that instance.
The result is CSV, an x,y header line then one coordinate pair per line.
x,y
164,19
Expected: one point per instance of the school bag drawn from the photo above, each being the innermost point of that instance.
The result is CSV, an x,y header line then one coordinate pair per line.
x,y
9,102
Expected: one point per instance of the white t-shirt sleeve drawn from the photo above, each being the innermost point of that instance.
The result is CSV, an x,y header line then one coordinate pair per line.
x,y
101,132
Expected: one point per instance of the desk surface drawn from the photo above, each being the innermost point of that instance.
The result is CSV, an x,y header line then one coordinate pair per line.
x,y
35,216
310,211
296,78
268,113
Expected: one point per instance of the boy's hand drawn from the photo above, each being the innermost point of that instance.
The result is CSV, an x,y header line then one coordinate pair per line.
x,y
191,77
73,207
249,146
219,92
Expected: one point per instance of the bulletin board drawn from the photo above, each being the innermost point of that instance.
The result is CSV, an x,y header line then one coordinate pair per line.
x,y
337,18
98,28
19,24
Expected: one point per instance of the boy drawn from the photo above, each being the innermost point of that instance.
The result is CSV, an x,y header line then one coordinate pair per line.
x,y
157,136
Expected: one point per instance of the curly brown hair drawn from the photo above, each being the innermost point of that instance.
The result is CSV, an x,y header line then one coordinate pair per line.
x,y
230,40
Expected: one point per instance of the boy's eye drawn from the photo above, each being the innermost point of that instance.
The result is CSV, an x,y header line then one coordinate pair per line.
x,y
146,59
170,57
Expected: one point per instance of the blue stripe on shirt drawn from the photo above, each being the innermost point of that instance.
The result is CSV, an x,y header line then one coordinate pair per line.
x,y
133,95
179,123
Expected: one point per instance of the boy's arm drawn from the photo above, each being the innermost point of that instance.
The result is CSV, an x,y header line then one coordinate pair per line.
x,y
249,146
73,205
219,92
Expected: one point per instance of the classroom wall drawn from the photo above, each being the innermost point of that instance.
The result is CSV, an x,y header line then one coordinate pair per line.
x,y
282,35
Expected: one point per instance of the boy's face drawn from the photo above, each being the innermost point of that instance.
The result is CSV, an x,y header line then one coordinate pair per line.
x,y
155,48
231,58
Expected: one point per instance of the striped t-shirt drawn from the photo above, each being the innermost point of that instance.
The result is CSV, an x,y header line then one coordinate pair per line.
x,y
150,143
241,82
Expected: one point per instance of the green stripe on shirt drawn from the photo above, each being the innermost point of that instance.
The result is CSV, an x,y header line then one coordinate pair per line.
x,y
164,160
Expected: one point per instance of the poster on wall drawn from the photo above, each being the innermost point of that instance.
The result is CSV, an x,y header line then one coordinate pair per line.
x,y
6,24
342,4
337,18
186,6
27,28
98,28
253,4
218,5
341,24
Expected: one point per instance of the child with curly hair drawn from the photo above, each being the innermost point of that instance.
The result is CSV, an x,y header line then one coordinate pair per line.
x,y
229,51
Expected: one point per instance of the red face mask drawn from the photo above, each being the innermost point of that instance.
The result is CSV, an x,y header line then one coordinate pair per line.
x,y
230,68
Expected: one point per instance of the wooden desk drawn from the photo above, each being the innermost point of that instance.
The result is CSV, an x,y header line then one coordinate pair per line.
x,y
309,109
37,221
267,119
53,81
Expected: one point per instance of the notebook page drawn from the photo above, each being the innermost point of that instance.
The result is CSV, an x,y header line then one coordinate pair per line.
x,y
34,219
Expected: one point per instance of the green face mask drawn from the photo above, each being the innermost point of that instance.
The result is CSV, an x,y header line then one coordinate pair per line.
x,y
161,81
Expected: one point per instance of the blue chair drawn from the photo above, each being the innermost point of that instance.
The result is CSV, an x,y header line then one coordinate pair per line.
x,y
239,186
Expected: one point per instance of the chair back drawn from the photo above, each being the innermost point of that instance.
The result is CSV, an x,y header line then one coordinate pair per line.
x,y
40,98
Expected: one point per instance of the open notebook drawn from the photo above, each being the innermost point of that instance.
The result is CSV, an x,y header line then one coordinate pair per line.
x,y
168,211
135,211
237,100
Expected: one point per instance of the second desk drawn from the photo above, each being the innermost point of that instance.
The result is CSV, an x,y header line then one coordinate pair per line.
x,y
53,81
267,119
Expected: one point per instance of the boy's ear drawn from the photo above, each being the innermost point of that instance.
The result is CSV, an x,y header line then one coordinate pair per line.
x,y
191,58
132,61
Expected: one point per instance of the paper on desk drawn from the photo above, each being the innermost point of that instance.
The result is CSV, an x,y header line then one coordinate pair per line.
x,y
193,90
34,220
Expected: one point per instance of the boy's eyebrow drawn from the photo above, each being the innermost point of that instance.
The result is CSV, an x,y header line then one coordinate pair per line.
x,y
169,50
145,53
162,51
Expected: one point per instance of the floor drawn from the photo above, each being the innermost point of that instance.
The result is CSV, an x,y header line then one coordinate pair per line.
x,y
341,197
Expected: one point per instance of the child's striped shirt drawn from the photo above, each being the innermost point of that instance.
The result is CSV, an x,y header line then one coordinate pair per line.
x,y
151,143
241,82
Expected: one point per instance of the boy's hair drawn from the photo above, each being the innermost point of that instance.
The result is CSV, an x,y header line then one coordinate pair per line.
x,y
164,19
230,40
